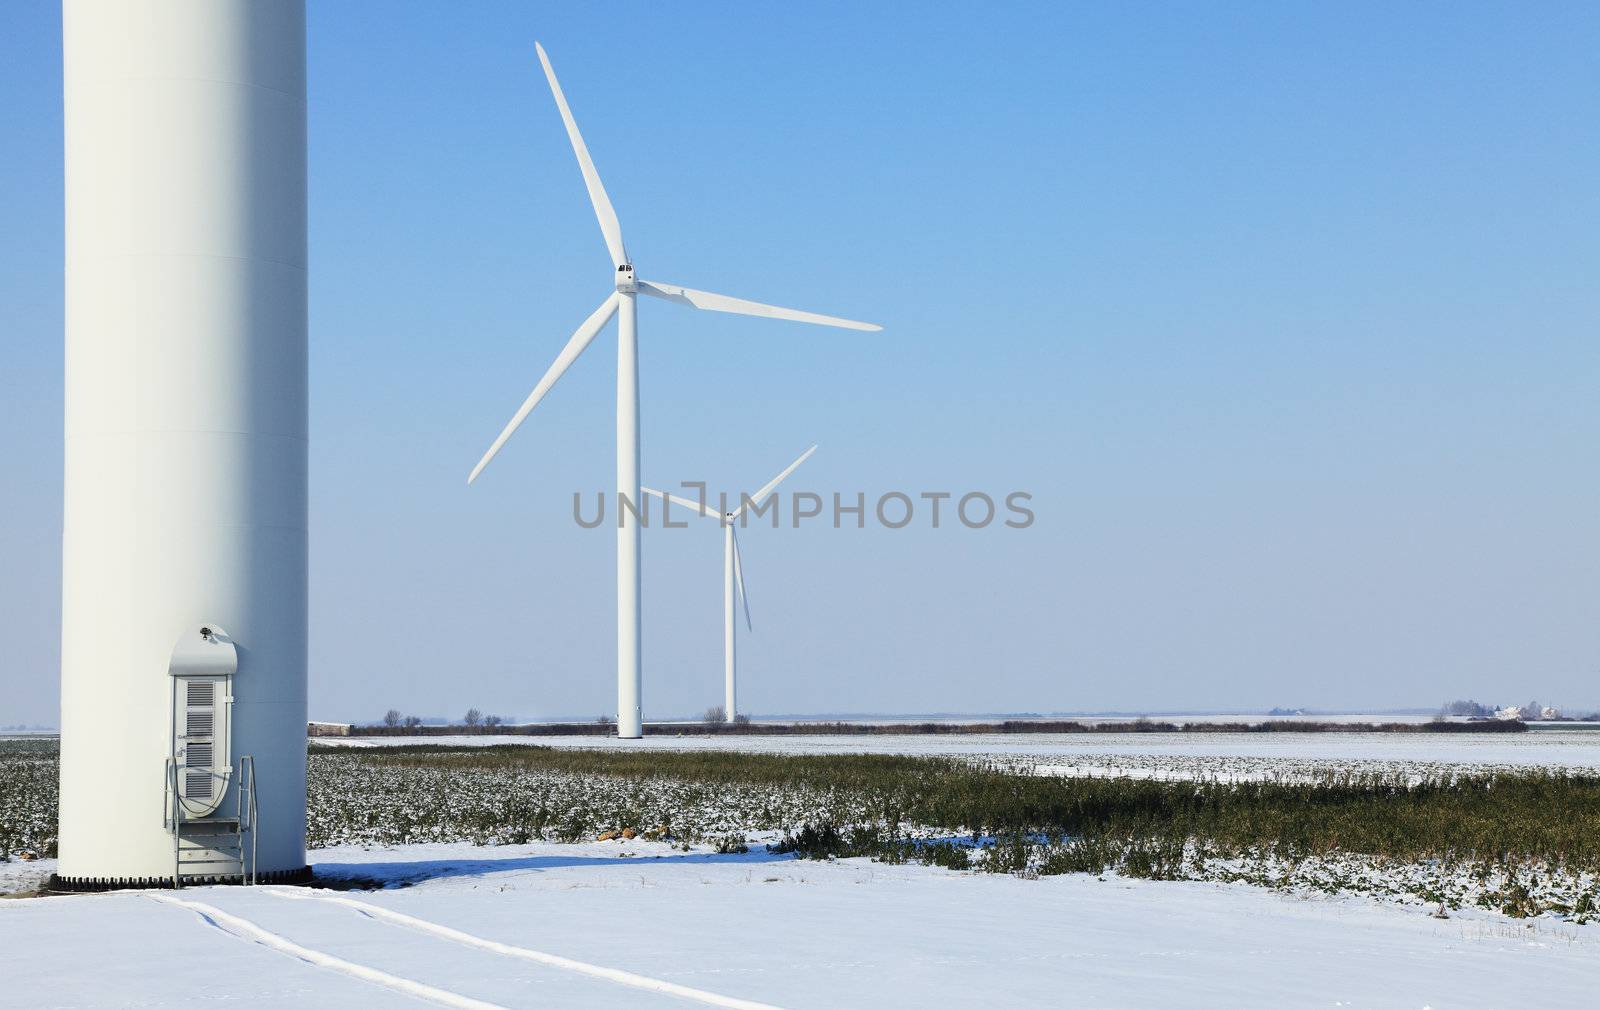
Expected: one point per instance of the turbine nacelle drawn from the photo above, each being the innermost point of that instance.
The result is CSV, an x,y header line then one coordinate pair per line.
x,y
626,284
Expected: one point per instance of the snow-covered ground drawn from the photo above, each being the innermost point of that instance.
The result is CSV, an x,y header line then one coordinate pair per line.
x,y
581,924
586,925
1164,755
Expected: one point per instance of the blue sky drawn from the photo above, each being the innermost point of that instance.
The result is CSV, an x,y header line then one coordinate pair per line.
x,y
1284,313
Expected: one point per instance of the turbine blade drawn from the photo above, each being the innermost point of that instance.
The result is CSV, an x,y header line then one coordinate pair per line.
x,y
760,496
692,506
575,346
723,303
738,579
609,226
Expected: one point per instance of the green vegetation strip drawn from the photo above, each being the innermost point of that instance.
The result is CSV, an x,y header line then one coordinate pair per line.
x,y
1535,815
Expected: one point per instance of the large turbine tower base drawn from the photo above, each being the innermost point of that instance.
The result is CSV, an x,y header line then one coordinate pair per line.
x,y
183,605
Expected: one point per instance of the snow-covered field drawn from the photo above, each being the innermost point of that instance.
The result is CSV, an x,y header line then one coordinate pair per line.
x,y
551,924
1163,755
597,923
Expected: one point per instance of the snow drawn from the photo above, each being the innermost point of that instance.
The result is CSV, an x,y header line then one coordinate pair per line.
x,y
770,930
582,924
1164,755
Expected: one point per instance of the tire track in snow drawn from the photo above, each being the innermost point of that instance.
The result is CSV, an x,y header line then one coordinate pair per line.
x,y
247,930
616,975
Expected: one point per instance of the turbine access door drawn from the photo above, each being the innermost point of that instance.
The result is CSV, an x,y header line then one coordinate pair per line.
x,y
202,668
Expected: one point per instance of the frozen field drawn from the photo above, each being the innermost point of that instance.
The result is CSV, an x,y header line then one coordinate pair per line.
x,y
1165,755
743,931
583,923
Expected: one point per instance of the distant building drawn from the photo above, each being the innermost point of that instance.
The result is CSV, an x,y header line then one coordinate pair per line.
x,y
1528,713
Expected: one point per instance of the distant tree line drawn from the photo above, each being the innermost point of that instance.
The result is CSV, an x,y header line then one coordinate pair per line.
x,y
474,719
741,725
716,714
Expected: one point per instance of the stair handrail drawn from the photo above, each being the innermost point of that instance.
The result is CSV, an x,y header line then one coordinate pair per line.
x,y
246,813
169,800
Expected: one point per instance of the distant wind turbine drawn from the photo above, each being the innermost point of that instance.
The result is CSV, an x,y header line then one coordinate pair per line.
x,y
620,303
732,573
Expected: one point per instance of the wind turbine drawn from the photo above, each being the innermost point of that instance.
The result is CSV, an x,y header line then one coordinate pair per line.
x,y
732,571
620,303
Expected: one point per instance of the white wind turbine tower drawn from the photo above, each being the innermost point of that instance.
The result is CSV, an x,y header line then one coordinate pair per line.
x,y
732,572
620,303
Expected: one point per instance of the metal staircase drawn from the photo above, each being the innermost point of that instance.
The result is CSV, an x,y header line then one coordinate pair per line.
x,y
214,848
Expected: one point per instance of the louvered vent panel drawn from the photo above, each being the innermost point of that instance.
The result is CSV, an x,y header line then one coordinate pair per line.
x,y
197,786
201,693
199,755
200,724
